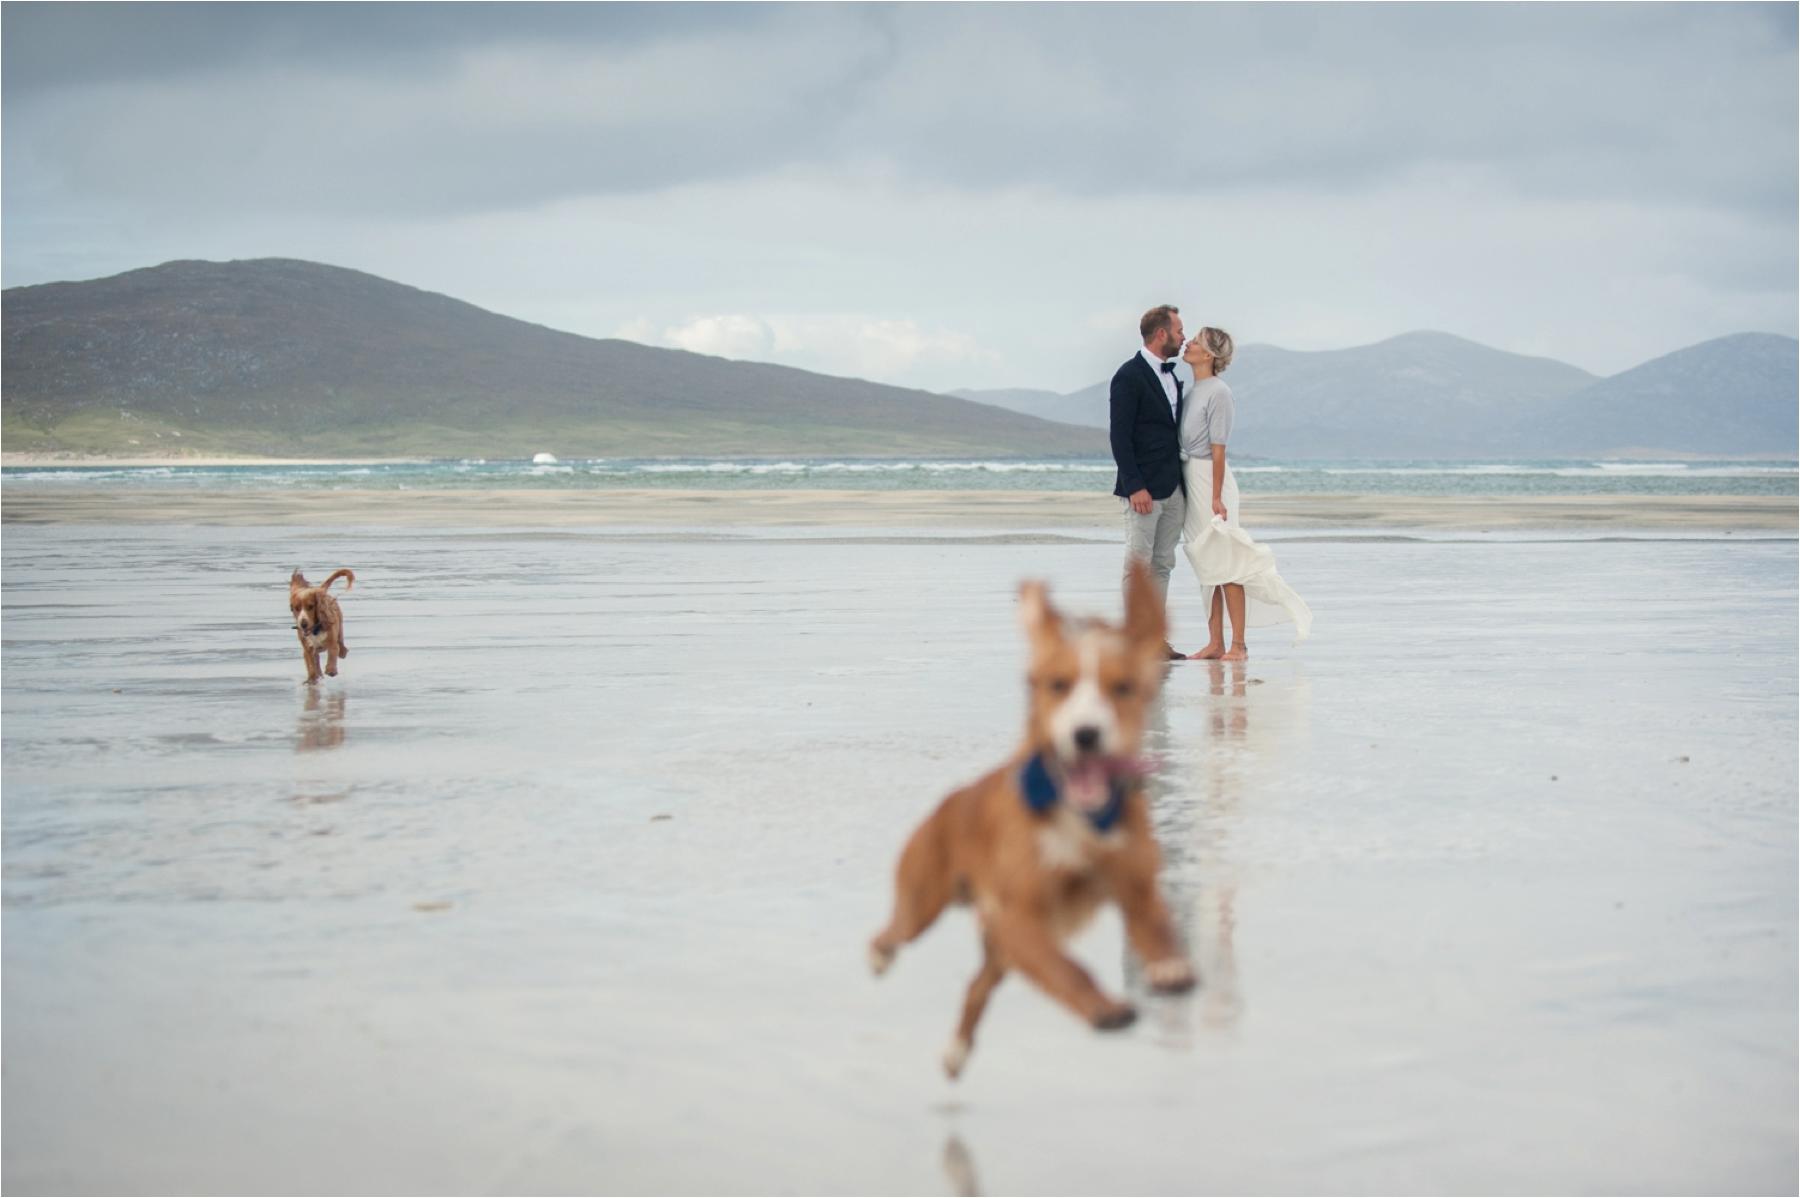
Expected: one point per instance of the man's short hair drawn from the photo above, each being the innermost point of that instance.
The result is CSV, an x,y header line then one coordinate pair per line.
x,y
1157,319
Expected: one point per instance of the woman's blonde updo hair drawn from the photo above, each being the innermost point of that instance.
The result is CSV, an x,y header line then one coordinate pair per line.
x,y
1218,343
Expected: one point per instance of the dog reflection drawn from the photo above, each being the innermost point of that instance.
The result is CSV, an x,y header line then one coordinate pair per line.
x,y
321,723
959,1168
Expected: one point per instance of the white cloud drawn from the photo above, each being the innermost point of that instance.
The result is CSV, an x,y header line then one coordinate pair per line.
x,y
884,349
640,330
877,348
730,336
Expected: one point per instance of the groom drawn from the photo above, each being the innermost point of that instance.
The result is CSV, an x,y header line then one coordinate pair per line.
x,y
1146,446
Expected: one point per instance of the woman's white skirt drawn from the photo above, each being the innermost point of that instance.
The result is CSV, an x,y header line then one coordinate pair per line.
x,y
1221,551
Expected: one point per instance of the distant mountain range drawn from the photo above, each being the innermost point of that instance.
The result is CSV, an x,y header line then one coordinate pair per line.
x,y
1425,395
283,357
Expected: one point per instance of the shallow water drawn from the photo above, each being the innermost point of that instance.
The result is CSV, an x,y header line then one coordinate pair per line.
x,y
1512,477
1492,883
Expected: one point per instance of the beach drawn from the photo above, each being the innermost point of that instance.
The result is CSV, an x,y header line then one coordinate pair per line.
x,y
563,884
965,510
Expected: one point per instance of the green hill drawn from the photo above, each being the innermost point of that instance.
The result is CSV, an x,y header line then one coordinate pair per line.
x,y
275,356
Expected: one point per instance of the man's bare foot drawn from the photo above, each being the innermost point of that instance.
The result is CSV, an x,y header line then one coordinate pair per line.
x,y
1212,652
1236,653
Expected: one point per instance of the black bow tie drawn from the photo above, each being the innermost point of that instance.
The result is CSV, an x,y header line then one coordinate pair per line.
x,y
1168,368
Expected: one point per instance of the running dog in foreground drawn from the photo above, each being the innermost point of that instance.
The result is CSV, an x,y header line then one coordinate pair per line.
x,y
1042,842
318,621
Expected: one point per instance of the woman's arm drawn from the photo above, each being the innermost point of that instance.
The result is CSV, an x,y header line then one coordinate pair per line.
x,y
1218,502
1218,429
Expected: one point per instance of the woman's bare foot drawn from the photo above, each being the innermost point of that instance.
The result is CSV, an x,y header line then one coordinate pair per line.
x,y
1213,651
1236,653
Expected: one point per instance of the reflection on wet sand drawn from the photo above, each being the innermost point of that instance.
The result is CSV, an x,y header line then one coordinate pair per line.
x,y
959,1168
321,723
1172,815
1222,1001
1250,724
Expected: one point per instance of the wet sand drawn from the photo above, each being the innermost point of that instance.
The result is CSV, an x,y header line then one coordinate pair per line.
x,y
964,510
563,885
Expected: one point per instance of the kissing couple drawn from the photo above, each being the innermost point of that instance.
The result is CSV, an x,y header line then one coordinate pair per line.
x,y
1168,442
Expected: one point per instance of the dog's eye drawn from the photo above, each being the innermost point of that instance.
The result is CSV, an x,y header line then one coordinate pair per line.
x,y
1124,690
1061,686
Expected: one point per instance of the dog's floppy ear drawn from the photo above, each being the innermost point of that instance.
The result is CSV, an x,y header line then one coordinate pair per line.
x,y
1038,618
1145,621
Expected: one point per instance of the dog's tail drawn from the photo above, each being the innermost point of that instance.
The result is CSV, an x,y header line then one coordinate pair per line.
x,y
349,577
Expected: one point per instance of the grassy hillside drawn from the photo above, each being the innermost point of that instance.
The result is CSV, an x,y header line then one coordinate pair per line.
x,y
284,357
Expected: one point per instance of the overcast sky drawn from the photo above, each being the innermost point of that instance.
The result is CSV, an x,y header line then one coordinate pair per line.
x,y
940,195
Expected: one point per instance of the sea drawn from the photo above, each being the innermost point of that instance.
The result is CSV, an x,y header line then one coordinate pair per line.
x,y
1508,477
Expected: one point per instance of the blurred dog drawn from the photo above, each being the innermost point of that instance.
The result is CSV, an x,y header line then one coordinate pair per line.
x,y
1041,843
319,621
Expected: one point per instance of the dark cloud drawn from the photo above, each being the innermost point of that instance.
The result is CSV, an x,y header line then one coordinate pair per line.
x,y
58,45
425,109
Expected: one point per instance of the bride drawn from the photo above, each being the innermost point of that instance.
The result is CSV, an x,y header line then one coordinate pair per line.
x,y
1235,572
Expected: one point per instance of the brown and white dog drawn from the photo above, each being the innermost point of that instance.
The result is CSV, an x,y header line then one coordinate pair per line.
x,y
318,621
1042,842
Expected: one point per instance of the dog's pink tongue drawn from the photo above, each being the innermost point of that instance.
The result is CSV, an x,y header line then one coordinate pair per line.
x,y
1087,785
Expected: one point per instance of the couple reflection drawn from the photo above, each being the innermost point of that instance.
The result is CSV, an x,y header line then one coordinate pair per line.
x,y
1215,921
321,723
959,1168
1249,725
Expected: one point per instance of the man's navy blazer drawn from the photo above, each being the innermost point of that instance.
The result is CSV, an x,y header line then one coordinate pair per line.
x,y
1146,437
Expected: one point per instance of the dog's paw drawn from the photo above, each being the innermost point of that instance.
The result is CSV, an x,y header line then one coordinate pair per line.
x,y
1114,1016
332,671
880,957
1170,976
956,1056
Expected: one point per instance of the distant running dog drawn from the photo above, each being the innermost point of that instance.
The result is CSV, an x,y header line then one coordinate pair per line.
x,y
318,621
1061,828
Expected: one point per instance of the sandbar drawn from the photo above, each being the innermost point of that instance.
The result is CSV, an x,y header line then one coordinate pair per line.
x,y
965,510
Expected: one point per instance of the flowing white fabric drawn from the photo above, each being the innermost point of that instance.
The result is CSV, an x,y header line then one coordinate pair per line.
x,y
1221,551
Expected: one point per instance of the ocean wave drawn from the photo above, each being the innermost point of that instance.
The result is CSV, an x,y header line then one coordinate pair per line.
x,y
80,476
846,467
1597,470
1469,468
1023,467
1518,476
751,468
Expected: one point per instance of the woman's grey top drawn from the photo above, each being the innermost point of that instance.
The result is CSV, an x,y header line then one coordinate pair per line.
x,y
1205,418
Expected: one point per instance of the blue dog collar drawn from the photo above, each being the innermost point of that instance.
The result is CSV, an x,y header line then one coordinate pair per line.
x,y
1041,794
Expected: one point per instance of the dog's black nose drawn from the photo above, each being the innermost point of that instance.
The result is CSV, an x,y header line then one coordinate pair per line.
x,y
1087,738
